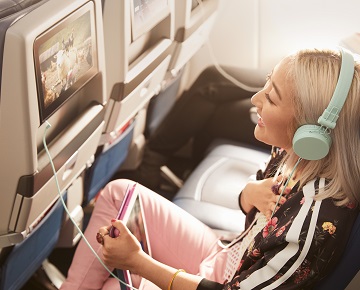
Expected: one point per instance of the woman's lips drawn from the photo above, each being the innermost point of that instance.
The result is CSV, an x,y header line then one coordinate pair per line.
x,y
260,121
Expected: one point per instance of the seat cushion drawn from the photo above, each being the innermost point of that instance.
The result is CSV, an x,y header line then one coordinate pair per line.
x,y
214,186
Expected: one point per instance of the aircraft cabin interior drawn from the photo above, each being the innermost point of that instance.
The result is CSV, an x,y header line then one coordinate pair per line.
x,y
84,85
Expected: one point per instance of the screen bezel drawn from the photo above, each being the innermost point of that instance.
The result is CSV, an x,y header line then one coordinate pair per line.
x,y
139,30
64,24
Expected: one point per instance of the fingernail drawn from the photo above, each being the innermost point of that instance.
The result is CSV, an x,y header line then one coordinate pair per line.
x,y
113,220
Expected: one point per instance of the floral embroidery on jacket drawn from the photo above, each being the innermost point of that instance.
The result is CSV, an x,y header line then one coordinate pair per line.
x,y
270,227
327,242
329,227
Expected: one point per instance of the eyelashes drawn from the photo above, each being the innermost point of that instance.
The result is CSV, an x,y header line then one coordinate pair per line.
x,y
267,96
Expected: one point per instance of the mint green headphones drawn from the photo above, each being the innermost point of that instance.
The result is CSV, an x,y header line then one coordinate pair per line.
x,y
312,142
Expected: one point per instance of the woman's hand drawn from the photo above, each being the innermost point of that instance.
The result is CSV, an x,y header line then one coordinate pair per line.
x,y
124,251
261,194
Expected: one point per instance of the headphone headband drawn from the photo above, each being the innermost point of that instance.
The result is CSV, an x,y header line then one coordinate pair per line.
x,y
331,113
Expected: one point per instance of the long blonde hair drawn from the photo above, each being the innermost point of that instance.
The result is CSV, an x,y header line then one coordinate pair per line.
x,y
314,75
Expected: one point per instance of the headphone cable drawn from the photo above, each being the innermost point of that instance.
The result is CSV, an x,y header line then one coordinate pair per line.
x,y
48,125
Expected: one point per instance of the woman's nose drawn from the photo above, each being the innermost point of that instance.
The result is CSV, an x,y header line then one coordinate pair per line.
x,y
255,98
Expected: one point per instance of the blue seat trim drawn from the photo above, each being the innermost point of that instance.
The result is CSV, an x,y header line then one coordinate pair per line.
x,y
26,257
106,164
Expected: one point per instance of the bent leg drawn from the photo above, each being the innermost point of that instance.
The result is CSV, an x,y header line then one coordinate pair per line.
x,y
86,272
176,238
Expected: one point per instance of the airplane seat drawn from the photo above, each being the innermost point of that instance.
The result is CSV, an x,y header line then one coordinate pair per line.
x,y
18,256
348,266
202,193
161,104
46,108
193,21
138,41
231,162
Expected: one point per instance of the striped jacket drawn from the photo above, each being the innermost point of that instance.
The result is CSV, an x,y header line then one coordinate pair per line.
x,y
297,248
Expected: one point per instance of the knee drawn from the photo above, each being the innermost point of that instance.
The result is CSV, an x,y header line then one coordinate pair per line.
x,y
116,189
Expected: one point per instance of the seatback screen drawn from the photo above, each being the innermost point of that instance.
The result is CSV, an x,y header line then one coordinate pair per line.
x,y
146,14
65,59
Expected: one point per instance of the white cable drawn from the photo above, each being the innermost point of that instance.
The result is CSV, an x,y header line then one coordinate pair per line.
x,y
285,185
219,68
48,125
227,75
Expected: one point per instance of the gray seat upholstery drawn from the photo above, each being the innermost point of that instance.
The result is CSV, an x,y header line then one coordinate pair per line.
x,y
211,192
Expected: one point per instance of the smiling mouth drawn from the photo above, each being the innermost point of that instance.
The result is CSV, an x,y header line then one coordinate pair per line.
x,y
260,121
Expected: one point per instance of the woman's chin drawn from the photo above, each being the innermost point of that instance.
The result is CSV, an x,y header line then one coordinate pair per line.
x,y
258,134
260,137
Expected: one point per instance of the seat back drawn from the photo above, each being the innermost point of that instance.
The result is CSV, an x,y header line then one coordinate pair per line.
x,y
107,162
349,264
193,22
52,89
136,62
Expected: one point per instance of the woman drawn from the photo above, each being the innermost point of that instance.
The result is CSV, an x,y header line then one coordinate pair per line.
x,y
307,206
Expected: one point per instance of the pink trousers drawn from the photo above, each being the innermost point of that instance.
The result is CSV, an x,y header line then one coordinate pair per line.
x,y
176,238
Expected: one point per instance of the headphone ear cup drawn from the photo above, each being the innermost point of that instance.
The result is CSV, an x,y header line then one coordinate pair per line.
x,y
311,142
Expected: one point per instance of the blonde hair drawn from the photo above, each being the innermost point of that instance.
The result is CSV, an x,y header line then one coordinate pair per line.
x,y
314,75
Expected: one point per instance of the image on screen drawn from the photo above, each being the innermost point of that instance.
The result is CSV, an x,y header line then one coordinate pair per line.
x,y
146,14
65,59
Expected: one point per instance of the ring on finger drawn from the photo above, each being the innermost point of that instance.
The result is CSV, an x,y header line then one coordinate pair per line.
x,y
100,238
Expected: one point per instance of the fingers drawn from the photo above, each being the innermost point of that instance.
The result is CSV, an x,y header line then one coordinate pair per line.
x,y
268,213
265,195
116,227
103,231
118,224
280,199
276,188
279,178
273,206
287,190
